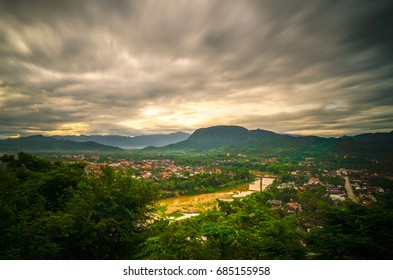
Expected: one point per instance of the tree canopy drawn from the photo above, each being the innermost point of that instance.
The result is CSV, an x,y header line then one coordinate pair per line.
x,y
53,210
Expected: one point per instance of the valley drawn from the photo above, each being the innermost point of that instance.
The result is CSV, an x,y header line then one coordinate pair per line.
x,y
217,203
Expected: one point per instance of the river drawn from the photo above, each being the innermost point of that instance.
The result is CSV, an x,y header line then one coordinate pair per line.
x,y
202,202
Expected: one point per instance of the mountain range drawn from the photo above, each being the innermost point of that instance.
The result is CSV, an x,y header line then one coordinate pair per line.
x,y
40,143
214,140
236,139
127,142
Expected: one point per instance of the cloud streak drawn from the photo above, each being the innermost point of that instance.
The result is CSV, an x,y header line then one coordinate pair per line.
x,y
97,67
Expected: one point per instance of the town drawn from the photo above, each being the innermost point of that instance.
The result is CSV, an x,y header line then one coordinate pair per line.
x,y
216,206
361,185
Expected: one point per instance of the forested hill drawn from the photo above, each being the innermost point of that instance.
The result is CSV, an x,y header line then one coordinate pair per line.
x,y
39,143
127,142
236,139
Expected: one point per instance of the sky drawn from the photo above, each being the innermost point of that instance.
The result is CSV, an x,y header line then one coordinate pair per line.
x,y
318,67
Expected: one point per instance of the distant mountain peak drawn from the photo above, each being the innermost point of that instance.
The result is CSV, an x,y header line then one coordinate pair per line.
x,y
131,142
231,138
222,130
40,143
34,136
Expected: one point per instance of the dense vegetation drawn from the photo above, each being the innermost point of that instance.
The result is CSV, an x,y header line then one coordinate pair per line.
x,y
229,177
50,210
251,229
54,210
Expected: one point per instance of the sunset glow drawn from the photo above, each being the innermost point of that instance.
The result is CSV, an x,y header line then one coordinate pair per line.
x,y
139,67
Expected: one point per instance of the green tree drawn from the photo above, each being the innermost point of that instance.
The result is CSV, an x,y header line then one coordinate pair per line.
x,y
52,210
108,215
244,229
353,231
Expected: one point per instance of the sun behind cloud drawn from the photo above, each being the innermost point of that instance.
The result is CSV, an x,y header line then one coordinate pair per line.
x,y
127,67
150,112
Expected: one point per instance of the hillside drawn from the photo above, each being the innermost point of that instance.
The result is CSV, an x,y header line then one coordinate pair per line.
x,y
127,142
236,139
39,143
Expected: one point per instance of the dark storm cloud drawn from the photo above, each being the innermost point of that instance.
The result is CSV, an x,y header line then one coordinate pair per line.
x,y
127,67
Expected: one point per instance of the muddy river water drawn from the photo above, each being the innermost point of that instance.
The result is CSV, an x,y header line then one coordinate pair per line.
x,y
202,202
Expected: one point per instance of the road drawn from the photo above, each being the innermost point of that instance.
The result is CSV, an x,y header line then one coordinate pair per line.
x,y
351,194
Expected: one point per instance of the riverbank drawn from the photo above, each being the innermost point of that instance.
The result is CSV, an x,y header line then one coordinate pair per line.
x,y
203,202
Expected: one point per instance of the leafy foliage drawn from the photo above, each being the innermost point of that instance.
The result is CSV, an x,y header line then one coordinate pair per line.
x,y
205,182
241,230
54,211
353,232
